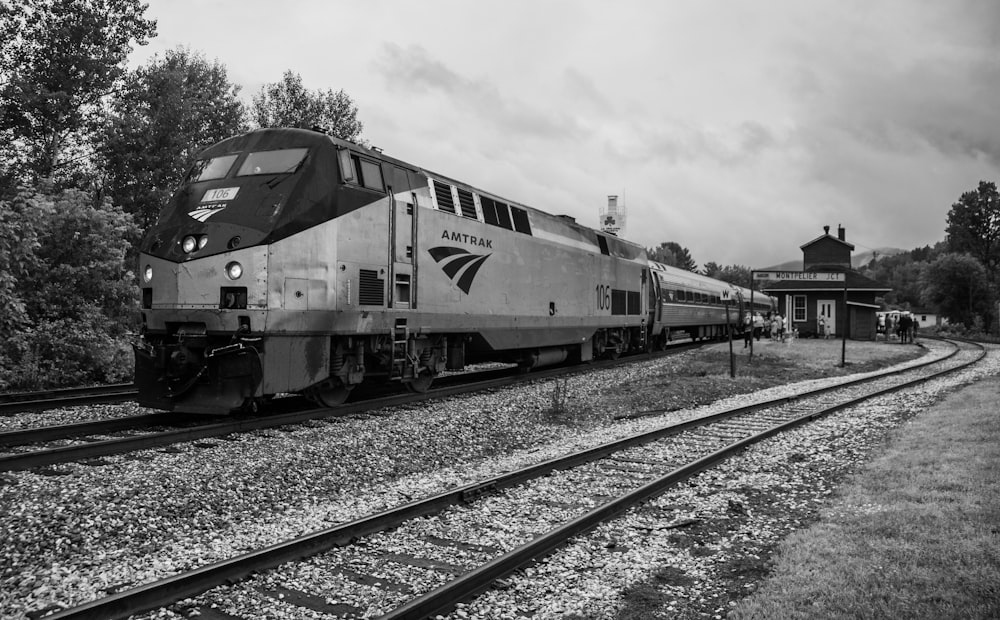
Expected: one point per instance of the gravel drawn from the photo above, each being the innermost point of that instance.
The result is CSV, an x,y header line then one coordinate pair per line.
x,y
74,532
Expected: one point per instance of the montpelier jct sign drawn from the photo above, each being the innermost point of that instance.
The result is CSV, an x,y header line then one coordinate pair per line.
x,y
812,276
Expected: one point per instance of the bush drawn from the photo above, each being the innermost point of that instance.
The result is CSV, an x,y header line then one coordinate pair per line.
x,y
71,298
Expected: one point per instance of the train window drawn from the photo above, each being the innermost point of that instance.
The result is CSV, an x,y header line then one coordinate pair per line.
x,y
284,161
520,217
503,216
208,169
442,192
467,205
402,293
371,174
489,211
347,172
603,242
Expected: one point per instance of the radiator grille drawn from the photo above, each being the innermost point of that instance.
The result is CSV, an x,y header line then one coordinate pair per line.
x,y
371,289
468,206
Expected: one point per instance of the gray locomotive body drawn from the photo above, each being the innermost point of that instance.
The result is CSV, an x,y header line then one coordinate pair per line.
x,y
290,261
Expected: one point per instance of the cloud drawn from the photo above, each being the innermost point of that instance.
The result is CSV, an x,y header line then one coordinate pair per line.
x,y
413,70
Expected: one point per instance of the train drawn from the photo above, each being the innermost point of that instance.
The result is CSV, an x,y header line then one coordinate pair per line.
x,y
289,261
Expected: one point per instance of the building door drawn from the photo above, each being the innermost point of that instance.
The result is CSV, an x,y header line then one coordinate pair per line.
x,y
827,308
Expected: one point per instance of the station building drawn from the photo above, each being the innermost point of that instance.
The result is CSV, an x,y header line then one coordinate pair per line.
x,y
847,305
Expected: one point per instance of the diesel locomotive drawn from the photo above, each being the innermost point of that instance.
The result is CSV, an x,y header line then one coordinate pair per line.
x,y
289,261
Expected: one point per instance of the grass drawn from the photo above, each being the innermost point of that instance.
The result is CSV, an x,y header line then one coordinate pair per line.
x,y
703,376
915,535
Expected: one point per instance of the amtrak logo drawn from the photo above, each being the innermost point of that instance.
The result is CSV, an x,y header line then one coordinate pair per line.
x,y
203,213
459,263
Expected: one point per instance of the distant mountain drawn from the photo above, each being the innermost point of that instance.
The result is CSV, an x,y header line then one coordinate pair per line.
x,y
858,260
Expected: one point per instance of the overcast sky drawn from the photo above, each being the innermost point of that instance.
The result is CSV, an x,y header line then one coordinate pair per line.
x,y
737,129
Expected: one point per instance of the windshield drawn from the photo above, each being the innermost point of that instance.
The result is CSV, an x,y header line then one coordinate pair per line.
x,y
208,169
272,162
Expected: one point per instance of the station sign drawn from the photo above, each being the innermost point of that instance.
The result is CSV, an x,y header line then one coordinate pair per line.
x,y
800,276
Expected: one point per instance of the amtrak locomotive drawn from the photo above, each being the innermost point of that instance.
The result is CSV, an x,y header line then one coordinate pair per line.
x,y
289,261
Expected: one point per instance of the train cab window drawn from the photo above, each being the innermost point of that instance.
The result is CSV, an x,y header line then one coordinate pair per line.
x,y
347,172
208,169
520,217
467,204
284,161
360,170
603,242
371,175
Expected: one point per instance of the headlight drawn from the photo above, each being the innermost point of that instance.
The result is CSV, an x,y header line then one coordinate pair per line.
x,y
234,270
189,244
147,273
202,240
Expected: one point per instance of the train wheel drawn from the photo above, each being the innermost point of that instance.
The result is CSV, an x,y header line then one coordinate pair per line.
x,y
330,396
420,384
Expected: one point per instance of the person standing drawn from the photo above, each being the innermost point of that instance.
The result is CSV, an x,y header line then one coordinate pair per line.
x,y
888,326
822,326
905,325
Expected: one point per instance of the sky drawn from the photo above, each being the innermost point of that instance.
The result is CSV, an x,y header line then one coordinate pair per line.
x,y
737,129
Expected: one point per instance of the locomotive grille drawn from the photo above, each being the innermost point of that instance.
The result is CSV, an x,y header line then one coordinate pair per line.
x,y
468,206
625,302
618,301
371,288
443,194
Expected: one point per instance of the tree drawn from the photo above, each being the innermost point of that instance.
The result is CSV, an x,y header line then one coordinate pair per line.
x,y
738,275
61,58
18,246
75,299
289,104
168,111
958,285
903,274
671,253
974,225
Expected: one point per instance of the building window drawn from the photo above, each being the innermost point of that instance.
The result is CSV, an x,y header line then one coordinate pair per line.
x,y
799,308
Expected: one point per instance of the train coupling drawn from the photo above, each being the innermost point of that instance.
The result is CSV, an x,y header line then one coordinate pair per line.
x,y
180,376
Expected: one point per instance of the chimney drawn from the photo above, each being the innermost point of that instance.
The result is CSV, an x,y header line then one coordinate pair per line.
x,y
841,232
826,230
612,203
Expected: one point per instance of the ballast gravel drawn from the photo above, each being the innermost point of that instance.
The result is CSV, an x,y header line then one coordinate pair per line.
x,y
74,533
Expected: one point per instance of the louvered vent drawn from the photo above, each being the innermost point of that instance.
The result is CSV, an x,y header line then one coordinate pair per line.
x,y
442,192
468,207
371,291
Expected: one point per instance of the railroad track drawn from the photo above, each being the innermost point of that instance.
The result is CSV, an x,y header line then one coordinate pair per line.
x,y
23,451
17,402
544,506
